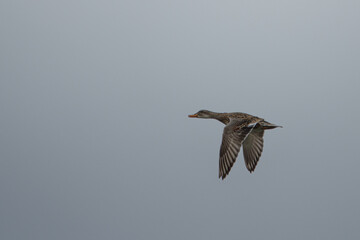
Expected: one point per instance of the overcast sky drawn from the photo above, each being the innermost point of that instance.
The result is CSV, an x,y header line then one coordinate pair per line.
x,y
95,142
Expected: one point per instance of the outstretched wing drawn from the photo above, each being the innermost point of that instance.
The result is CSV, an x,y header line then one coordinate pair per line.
x,y
253,147
233,136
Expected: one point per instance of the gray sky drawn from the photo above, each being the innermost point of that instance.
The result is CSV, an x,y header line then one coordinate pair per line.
x,y
95,142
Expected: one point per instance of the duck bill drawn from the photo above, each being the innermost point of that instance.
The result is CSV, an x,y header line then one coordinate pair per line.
x,y
193,116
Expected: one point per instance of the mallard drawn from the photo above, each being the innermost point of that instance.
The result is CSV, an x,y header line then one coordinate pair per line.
x,y
241,129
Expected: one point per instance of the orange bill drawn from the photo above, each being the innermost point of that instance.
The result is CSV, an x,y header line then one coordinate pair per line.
x,y
193,116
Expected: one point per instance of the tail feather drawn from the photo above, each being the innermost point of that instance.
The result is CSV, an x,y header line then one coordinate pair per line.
x,y
267,126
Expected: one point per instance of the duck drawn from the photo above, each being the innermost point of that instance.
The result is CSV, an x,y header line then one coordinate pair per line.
x,y
241,129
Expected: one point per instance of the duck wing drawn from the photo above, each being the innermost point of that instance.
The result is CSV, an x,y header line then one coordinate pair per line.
x,y
233,136
253,147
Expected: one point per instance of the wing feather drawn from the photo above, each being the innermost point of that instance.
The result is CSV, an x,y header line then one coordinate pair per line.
x,y
253,147
233,136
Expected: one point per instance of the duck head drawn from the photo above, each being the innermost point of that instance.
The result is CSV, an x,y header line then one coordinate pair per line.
x,y
202,114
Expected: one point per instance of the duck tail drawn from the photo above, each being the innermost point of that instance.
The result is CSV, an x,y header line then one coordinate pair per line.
x,y
267,126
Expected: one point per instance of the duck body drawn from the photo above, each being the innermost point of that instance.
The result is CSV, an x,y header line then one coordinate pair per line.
x,y
241,129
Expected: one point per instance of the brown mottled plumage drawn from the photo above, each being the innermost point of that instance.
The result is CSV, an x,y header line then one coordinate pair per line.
x,y
241,129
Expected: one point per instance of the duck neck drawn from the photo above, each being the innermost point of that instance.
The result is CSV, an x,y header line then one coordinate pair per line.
x,y
222,117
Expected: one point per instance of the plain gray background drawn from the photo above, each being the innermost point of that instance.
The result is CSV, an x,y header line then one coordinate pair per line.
x,y
95,142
